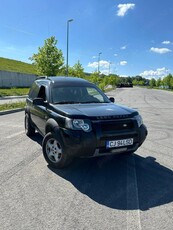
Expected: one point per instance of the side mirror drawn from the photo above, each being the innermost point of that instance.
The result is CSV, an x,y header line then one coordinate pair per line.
x,y
112,99
38,101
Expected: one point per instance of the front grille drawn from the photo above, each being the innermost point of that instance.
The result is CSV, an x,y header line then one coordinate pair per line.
x,y
117,125
121,136
115,130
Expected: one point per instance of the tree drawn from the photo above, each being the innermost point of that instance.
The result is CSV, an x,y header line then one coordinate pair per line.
x,y
158,82
138,80
49,59
167,81
152,82
135,82
111,80
171,83
77,70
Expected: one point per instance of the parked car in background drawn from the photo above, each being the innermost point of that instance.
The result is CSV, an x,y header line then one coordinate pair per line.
x,y
124,85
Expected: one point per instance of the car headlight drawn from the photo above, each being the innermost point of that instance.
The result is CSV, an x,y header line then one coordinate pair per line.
x,y
139,120
78,124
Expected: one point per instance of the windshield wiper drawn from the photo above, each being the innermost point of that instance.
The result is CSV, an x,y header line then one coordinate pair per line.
x,y
67,102
78,102
87,102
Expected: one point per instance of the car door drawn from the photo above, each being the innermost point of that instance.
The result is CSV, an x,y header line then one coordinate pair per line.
x,y
39,112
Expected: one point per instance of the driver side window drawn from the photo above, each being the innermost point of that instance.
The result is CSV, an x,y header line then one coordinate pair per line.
x,y
42,93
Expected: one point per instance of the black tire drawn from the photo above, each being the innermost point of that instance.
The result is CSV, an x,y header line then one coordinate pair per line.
x,y
54,152
29,130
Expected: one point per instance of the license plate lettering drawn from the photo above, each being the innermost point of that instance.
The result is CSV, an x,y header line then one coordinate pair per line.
x,y
119,143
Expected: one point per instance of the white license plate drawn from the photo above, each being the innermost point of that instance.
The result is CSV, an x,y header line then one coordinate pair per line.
x,y
119,143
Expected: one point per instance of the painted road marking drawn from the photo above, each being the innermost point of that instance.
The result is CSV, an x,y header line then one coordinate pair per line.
x,y
133,212
15,134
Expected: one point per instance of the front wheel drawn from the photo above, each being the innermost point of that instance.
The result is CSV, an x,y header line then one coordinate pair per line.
x,y
54,152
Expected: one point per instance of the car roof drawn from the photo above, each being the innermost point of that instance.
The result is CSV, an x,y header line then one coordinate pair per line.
x,y
62,80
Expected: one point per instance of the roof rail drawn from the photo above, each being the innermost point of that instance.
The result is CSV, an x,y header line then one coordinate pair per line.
x,y
42,77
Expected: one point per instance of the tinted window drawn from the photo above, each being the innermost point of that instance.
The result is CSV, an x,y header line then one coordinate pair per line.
x,y
34,91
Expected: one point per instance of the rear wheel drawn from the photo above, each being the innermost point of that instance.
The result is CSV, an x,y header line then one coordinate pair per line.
x,y
29,130
54,152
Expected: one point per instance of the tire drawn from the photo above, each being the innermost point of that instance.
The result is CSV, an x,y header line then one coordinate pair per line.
x,y
54,152
29,130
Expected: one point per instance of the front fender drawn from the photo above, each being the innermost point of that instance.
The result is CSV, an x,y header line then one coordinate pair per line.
x,y
51,125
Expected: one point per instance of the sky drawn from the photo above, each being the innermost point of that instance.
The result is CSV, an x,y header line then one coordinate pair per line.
x,y
128,38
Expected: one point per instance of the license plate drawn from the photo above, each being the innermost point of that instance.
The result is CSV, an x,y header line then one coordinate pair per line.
x,y
119,143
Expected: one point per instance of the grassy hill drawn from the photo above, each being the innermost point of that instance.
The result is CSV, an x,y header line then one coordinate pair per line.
x,y
16,66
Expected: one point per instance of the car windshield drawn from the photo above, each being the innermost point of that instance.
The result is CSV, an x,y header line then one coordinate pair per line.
x,y
76,94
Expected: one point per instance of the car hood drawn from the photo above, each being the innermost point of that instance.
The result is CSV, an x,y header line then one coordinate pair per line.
x,y
102,110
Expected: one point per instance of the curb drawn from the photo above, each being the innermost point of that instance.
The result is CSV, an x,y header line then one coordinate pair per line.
x,y
5,112
12,97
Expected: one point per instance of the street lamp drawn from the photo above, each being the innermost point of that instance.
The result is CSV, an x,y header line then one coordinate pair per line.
x,y
70,20
99,62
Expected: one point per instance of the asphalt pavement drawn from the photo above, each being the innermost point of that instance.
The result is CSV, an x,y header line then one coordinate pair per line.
x,y
111,192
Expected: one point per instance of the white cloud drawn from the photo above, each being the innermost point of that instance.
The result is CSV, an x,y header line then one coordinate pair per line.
x,y
123,47
105,72
166,42
93,64
158,73
115,55
102,64
123,62
160,50
123,8
18,30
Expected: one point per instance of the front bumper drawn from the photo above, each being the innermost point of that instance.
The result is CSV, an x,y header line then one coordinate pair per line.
x,y
82,144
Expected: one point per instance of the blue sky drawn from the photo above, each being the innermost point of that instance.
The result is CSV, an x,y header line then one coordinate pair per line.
x,y
134,37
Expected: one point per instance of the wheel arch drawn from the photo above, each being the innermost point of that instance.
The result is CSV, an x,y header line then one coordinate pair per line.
x,y
51,125
26,110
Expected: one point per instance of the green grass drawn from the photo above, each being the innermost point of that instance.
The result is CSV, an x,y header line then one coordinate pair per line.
x,y
14,92
16,66
9,106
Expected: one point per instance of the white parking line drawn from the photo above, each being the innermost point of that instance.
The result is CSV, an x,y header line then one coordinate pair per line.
x,y
133,212
15,134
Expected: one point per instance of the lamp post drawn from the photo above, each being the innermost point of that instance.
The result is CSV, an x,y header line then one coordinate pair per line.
x,y
70,20
99,62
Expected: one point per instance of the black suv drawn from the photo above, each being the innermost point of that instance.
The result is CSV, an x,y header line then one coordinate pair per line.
x,y
77,119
